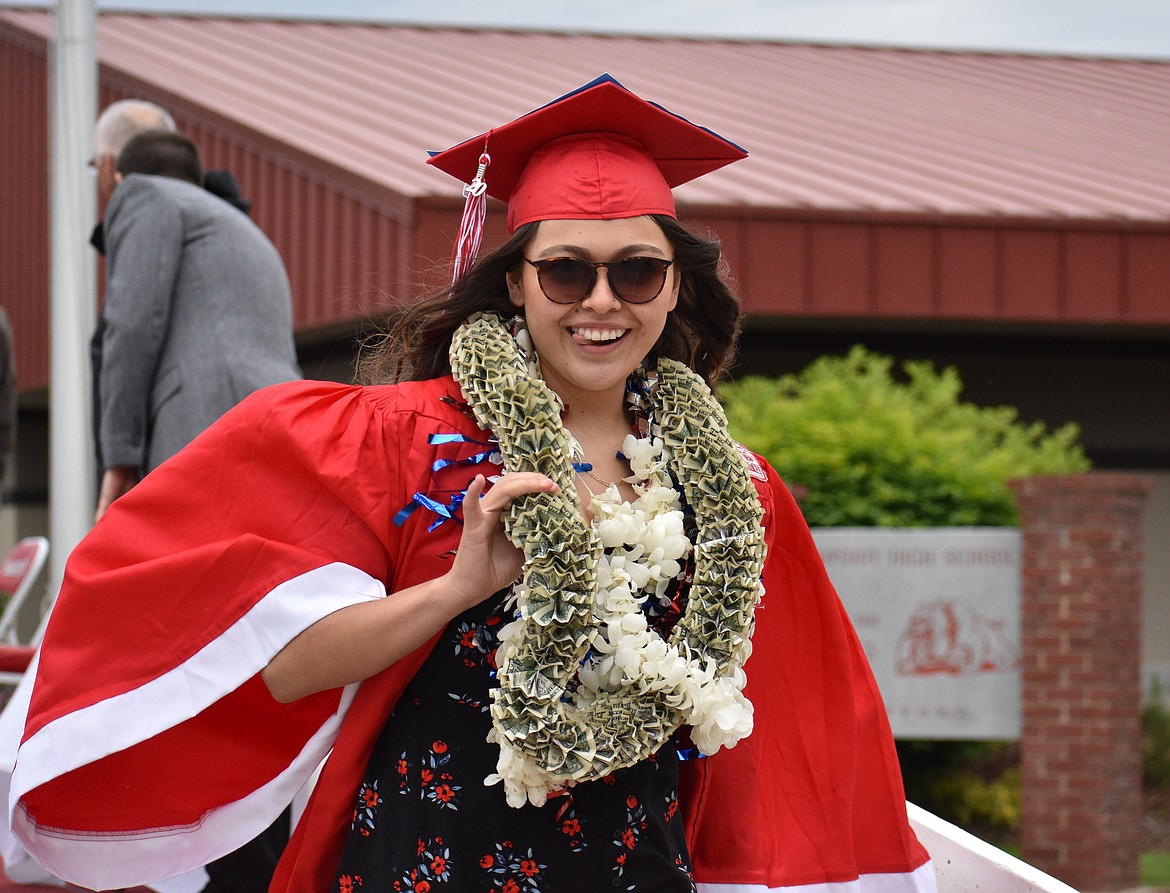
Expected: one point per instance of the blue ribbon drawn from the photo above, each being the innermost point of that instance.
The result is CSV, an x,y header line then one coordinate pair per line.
x,y
440,464
445,512
453,438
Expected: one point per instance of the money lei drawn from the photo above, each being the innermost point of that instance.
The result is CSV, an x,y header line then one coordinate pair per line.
x,y
548,739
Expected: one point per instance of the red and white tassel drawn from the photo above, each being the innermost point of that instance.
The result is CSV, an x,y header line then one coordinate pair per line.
x,y
471,226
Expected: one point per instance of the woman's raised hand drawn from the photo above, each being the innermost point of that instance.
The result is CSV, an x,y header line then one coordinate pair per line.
x,y
363,639
486,560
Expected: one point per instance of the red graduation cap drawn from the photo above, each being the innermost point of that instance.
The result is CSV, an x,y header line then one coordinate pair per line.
x,y
598,153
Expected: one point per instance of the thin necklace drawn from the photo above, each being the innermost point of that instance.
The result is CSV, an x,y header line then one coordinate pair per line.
x,y
588,473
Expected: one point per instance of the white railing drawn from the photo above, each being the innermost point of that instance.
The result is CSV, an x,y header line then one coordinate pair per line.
x,y
965,864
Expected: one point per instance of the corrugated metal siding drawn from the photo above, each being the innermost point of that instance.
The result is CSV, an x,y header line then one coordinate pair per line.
x,y
343,252
343,245
882,184
24,203
934,271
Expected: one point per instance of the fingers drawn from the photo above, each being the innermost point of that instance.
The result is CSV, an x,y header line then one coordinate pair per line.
x,y
504,490
116,482
485,561
475,489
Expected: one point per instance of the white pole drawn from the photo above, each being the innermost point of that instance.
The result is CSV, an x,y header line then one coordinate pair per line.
x,y
73,206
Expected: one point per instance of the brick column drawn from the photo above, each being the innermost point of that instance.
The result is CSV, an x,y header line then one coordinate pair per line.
x,y
1080,630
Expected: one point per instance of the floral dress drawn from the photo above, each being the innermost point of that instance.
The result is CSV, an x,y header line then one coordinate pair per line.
x,y
424,820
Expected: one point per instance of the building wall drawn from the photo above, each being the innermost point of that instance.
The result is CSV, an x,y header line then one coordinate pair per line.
x,y
24,203
1053,272
349,248
1068,320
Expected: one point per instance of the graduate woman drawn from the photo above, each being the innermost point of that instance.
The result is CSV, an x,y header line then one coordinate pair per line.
x,y
545,625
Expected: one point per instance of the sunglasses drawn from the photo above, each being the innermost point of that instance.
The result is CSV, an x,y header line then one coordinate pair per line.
x,y
567,280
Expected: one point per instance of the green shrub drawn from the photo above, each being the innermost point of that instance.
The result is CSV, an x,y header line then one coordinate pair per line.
x,y
880,449
974,784
1156,741
878,446
982,803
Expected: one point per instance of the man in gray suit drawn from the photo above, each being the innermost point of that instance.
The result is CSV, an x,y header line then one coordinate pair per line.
x,y
197,310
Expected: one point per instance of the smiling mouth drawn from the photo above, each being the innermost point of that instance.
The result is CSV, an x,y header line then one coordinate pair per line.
x,y
599,336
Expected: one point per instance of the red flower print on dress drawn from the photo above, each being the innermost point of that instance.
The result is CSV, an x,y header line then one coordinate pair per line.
x,y
571,825
466,700
434,866
472,643
626,839
514,872
402,767
442,792
365,816
671,806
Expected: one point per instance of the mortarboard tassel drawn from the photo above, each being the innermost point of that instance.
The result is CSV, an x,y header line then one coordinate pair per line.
x,y
471,226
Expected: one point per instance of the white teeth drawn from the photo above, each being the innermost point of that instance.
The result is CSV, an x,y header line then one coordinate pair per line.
x,y
600,334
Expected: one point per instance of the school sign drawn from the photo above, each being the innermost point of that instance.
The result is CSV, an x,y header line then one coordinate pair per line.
x,y
938,613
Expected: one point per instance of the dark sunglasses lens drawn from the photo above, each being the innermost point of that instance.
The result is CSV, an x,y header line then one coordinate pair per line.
x,y
566,280
638,279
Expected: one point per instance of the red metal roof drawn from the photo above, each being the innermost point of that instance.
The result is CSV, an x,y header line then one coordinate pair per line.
x,y
953,187
829,127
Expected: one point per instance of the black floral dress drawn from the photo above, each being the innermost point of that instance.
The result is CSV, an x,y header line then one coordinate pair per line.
x,y
424,820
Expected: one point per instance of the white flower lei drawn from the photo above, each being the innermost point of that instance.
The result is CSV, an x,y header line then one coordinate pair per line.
x,y
586,686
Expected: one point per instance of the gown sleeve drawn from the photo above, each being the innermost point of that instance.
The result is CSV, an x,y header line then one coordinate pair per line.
x,y
812,800
152,745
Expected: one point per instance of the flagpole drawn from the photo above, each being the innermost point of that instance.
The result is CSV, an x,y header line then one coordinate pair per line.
x,y
73,292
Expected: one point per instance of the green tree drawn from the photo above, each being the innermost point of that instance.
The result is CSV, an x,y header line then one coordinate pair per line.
x,y
883,447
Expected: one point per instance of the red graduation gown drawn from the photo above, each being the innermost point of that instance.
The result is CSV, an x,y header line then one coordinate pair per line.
x,y
152,745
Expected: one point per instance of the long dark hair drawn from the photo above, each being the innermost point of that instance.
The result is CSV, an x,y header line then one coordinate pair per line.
x,y
701,331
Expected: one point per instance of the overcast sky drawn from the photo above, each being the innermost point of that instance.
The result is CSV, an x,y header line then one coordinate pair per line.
x,y
1096,27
